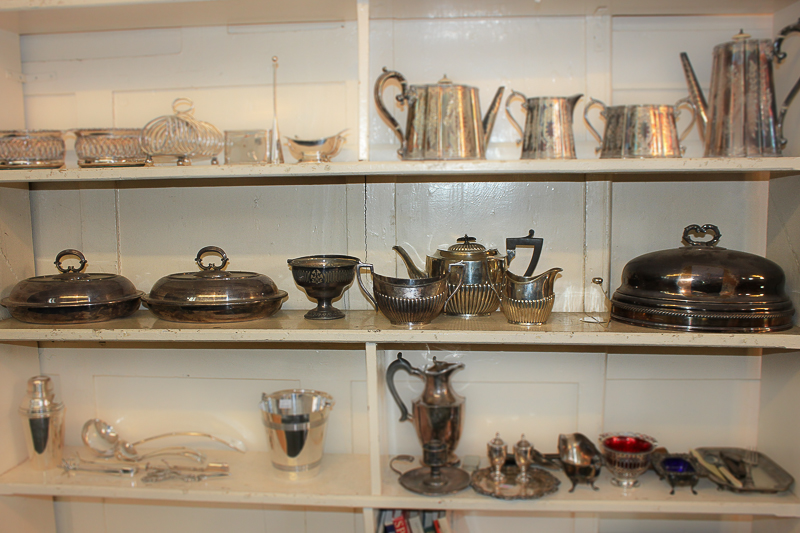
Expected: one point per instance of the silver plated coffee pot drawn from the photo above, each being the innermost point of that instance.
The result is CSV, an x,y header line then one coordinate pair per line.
x,y
548,126
444,119
438,414
740,119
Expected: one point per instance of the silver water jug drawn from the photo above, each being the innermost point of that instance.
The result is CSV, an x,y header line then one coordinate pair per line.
x,y
740,118
548,126
444,119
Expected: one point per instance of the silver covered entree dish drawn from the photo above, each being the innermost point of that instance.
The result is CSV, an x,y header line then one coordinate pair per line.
x,y
703,287
214,294
73,296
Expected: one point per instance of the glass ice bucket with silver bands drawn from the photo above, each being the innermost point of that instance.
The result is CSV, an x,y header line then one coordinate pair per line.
x,y
295,421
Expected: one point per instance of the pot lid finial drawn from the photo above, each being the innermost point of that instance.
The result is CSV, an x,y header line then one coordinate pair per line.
x,y
466,244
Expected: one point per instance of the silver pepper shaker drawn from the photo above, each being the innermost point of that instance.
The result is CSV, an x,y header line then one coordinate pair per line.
x,y
43,424
523,457
498,453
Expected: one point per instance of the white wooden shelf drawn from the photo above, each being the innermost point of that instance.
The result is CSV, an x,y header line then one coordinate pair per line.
x,y
652,496
775,166
53,16
343,481
369,326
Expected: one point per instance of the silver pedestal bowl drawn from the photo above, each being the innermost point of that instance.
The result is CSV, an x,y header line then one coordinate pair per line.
x,y
324,278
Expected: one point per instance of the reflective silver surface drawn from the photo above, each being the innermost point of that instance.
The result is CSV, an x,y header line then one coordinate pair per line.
x,y
740,117
580,459
296,421
73,296
528,300
438,414
320,150
633,131
444,120
548,126
408,302
43,424
703,287
481,275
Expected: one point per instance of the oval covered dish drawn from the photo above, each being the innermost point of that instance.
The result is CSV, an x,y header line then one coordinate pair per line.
x,y
213,294
73,296
703,287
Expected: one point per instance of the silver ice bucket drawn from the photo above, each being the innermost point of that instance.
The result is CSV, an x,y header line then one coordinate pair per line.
x,y
295,421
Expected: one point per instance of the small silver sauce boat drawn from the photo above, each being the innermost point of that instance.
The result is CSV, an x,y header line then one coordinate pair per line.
x,y
319,151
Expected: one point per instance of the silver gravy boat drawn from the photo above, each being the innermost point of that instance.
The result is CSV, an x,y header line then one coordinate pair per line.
x,y
444,119
740,120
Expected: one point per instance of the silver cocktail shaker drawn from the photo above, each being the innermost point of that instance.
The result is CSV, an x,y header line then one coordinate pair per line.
x,y
43,424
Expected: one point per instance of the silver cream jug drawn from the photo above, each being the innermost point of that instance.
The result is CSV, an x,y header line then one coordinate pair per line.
x,y
639,131
444,119
548,126
740,118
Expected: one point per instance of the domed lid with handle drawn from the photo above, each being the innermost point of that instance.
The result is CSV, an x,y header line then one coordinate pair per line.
x,y
213,285
72,287
703,287
466,249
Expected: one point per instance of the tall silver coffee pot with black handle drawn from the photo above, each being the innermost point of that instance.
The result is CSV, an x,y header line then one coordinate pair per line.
x,y
740,118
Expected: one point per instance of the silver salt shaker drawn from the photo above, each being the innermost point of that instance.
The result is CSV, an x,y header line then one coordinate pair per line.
x,y
43,424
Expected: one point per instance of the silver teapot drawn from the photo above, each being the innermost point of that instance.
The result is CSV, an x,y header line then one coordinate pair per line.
x,y
481,276
444,119
740,120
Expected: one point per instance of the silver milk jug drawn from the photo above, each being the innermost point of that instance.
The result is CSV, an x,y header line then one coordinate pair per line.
x,y
444,119
740,119
548,126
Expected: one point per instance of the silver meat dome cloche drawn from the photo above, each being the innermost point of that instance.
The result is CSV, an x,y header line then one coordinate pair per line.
x,y
703,287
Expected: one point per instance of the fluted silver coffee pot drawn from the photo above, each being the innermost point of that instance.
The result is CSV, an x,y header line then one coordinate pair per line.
x,y
740,118
444,119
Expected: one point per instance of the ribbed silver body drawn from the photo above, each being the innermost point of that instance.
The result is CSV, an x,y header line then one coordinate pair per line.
x,y
548,126
638,131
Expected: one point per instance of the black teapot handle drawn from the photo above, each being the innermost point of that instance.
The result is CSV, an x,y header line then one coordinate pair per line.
x,y
399,364
780,55
528,240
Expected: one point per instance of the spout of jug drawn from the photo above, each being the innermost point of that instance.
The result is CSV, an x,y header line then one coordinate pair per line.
x,y
696,96
413,271
572,102
491,115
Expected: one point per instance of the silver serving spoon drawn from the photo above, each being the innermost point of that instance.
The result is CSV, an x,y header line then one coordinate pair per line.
x,y
125,451
100,437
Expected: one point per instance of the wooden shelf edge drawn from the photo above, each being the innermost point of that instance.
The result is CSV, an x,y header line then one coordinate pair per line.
x,y
778,166
359,327
343,482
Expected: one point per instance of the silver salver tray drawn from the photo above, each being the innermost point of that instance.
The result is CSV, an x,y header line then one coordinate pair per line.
x,y
540,483
768,476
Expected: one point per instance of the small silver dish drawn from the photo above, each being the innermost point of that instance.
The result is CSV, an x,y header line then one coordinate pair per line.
x,y
318,151
627,456
31,149
112,147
